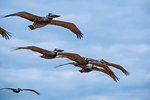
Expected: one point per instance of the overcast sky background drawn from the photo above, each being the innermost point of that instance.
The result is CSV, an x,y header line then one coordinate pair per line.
x,y
115,30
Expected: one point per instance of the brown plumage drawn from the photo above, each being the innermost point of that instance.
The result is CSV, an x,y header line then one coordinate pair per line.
x,y
72,27
103,66
26,15
31,90
115,65
73,56
86,69
47,54
4,33
83,61
100,65
43,21
102,61
114,77
18,90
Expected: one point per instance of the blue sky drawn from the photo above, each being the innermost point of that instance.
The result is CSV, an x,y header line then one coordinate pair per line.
x,y
115,30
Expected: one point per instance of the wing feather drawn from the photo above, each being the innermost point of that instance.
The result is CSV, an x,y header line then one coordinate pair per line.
x,y
102,65
118,67
4,33
25,15
32,91
8,89
72,27
106,72
35,49
72,56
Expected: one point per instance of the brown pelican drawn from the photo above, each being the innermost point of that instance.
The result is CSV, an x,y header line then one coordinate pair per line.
x,y
115,65
91,68
18,90
102,61
83,61
4,33
47,54
39,22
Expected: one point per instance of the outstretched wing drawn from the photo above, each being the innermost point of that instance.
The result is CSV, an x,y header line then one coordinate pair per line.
x,y
118,67
106,72
63,64
25,15
7,88
35,49
32,91
102,65
72,27
4,33
72,56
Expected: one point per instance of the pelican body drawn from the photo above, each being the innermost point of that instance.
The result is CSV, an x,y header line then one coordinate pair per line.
x,y
51,54
19,89
47,54
43,21
39,22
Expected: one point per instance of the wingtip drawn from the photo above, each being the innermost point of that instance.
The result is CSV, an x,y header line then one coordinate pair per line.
x,y
116,79
38,94
7,35
57,66
15,48
127,73
80,36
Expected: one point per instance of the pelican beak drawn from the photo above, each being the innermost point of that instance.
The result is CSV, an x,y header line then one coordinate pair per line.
x,y
53,16
60,50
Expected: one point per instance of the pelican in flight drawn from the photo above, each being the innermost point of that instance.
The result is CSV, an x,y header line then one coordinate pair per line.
x,y
4,33
18,90
102,61
47,54
87,68
39,22
82,62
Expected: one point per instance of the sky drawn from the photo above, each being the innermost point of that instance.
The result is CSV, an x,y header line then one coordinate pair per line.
x,y
115,30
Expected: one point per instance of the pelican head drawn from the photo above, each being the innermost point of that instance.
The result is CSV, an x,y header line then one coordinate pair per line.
x,y
103,61
58,50
50,15
19,89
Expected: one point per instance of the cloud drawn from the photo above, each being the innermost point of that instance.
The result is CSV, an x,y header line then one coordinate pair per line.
x,y
66,81
117,31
